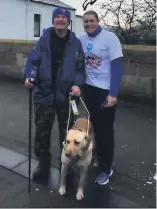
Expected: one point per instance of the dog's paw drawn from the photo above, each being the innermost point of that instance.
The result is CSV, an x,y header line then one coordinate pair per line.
x,y
80,195
62,190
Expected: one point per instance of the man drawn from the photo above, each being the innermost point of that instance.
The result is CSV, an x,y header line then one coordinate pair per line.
x,y
58,63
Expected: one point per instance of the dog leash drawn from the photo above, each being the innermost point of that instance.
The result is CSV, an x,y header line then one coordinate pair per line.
x,y
73,106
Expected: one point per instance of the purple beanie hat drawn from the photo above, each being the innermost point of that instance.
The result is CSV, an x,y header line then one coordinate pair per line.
x,y
61,10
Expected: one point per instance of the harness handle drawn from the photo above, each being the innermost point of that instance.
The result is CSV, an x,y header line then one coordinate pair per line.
x,y
70,104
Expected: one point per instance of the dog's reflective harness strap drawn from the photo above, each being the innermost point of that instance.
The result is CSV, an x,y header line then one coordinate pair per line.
x,y
68,122
72,105
88,115
64,145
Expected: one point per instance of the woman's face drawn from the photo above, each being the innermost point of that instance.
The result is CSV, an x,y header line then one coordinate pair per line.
x,y
90,23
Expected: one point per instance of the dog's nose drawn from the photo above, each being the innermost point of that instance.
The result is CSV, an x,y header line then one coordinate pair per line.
x,y
68,154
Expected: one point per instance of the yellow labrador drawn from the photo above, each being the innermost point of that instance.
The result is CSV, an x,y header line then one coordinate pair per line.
x,y
77,153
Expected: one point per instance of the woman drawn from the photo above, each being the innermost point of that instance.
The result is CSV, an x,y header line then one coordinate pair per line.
x,y
103,60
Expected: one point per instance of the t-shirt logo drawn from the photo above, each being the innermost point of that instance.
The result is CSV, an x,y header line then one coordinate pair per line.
x,y
90,47
92,60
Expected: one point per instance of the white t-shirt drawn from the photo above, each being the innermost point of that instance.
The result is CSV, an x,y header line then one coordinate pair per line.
x,y
99,52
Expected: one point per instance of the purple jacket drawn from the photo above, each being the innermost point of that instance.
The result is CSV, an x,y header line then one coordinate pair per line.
x,y
71,71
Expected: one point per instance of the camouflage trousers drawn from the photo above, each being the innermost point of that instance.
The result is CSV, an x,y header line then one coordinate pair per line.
x,y
44,120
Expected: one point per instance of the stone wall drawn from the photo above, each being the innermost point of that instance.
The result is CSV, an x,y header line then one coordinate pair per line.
x,y
13,56
139,78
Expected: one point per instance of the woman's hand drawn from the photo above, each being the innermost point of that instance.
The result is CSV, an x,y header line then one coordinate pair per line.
x,y
111,101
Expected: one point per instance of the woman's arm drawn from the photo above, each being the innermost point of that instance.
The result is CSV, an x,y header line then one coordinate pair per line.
x,y
116,75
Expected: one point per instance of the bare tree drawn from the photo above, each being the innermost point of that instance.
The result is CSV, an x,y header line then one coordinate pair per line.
x,y
149,13
151,4
124,16
127,16
147,24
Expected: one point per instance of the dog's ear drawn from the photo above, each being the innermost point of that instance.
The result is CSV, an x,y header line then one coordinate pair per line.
x,y
87,138
66,134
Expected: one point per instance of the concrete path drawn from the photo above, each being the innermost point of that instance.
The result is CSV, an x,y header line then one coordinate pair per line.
x,y
132,184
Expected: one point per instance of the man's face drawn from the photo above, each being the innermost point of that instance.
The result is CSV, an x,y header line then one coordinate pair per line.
x,y
61,22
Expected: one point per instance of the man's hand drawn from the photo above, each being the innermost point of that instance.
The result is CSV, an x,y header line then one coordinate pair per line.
x,y
75,91
111,101
29,83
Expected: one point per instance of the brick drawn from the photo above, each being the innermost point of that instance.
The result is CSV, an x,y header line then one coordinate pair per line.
x,y
147,70
5,47
19,59
134,56
133,85
7,58
24,61
130,69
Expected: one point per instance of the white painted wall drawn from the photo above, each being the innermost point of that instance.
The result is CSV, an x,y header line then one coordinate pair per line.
x,y
78,25
12,19
17,18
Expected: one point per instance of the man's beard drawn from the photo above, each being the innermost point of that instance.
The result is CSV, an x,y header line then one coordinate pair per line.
x,y
61,32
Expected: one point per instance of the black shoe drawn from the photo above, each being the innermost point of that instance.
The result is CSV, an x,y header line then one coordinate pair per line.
x,y
42,172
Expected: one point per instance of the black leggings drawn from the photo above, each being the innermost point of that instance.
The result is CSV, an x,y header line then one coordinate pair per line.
x,y
103,122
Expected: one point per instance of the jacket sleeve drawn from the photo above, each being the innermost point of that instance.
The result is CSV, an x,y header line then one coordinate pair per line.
x,y
80,67
33,60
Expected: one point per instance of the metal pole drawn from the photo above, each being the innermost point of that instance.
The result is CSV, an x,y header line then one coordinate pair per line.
x,y
30,140
30,115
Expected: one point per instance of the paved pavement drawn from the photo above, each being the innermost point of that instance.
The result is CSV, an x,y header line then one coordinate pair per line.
x,y
14,194
135,155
